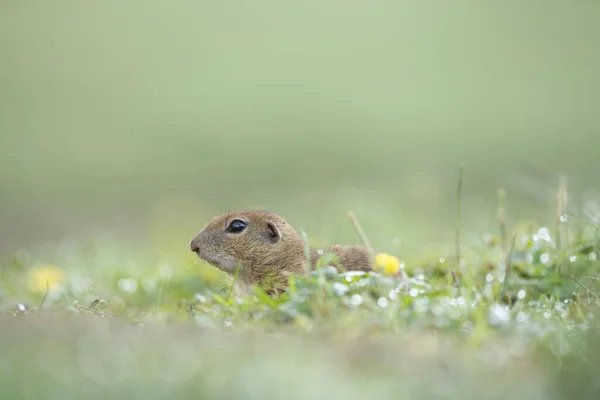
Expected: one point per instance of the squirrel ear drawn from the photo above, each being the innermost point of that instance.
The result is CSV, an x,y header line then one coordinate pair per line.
x,y
273,232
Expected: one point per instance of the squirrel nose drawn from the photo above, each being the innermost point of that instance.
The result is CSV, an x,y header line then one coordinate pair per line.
x,y
194,247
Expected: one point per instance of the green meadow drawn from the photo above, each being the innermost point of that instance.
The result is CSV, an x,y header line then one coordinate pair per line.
x,y
124,127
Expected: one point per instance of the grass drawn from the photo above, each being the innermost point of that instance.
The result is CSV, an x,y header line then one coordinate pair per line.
x,y
174,113
103,320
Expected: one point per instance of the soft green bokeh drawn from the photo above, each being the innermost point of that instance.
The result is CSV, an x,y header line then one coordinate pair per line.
x,y
112,113
124,126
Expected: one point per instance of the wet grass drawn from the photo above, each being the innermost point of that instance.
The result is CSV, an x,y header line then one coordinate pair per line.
x,y
172,114
512,320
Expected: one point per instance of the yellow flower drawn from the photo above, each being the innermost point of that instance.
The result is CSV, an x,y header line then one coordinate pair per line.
x,y
387,263
45,274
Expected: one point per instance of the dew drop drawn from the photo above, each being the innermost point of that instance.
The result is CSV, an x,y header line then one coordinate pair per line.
x,y
128,285
498,314
544,234
200,298
521,294
421,304
340,289
166,272
356,299
521,316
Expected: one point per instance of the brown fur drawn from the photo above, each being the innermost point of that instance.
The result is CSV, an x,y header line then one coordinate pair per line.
x,y
268,251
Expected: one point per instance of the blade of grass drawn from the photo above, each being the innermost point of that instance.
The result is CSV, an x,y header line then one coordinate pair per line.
x,y
361,233
458,221
502,224
44,297
586,288
235,278
308,265
561,205
508,263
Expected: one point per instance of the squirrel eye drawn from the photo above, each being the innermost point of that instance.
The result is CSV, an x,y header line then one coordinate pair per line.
x,y
236,226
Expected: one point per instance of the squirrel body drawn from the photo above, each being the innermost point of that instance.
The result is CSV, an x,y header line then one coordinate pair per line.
x,y
265,250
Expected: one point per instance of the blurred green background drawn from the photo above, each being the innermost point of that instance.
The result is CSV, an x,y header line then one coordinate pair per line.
x,y
144,119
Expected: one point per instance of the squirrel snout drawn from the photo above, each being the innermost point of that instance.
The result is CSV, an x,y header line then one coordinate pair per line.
x,y
194,247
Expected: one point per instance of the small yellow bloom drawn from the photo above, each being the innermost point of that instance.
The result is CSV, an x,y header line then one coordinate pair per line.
x,y
387,263
44,275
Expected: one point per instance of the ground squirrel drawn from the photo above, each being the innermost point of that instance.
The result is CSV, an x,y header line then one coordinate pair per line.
x,y
267,250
